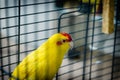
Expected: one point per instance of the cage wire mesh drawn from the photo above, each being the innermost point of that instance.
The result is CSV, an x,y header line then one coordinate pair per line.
x,y
26,24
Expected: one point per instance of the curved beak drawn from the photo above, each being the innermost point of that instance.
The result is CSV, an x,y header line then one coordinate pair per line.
x,y
71,45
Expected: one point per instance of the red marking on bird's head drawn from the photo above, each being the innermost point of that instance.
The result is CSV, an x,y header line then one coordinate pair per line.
x,y
67,35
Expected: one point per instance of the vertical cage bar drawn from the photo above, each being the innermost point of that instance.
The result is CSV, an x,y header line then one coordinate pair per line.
x,y
93,28
19,21
115,37
59,23
86,41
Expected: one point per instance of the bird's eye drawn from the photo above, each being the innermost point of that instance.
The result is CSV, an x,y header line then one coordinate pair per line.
x,y
63,40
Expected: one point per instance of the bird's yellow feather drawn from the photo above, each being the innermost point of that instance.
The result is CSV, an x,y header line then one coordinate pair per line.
x,y
44,62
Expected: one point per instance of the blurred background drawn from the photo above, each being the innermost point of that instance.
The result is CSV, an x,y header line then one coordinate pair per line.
x,y
26,24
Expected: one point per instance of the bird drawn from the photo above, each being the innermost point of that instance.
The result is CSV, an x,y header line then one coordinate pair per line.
x,y
44,62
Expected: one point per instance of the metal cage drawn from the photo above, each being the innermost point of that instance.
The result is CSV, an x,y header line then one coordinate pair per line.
x,y
25,24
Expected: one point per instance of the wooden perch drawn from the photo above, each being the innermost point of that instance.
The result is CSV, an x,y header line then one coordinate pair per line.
x,y
108,16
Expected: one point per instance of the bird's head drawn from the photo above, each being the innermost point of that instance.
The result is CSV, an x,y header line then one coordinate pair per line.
x,y
62,39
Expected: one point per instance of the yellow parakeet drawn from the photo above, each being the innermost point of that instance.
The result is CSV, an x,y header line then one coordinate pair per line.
x,y
44,62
